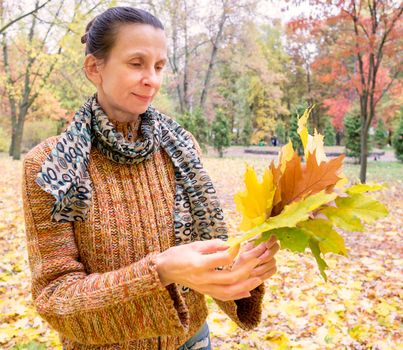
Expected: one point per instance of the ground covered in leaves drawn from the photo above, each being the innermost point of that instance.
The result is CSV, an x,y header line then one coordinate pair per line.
x,y
358,308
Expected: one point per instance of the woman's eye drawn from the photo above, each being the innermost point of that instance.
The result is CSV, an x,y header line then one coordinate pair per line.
x,y
136,64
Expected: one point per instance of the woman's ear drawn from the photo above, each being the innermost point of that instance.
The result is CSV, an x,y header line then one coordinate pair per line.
x,y
91,69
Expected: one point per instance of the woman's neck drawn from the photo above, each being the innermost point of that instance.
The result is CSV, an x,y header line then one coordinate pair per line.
x,y
128,125
130,130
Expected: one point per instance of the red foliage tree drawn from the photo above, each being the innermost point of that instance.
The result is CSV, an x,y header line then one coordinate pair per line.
x,y
362,61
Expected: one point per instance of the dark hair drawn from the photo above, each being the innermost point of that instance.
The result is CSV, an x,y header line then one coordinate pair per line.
x,y
101,31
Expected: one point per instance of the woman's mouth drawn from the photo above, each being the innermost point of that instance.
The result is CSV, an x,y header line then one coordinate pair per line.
x,y
143,98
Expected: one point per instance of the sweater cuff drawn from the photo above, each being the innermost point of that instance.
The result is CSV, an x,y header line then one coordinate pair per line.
x,y
174,298
246,312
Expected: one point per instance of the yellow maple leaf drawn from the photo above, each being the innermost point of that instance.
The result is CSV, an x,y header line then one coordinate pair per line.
x,y
342,182
309,142
302,129
285,154
256,201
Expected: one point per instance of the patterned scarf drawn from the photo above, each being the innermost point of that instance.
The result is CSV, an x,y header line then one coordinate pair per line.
x,y
197,213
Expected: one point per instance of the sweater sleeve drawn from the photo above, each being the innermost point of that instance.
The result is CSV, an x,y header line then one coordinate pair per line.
x,y
246,312
98,308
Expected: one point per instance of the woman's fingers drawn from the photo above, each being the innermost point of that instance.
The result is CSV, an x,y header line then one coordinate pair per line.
x,y
270,252
272,241
225,292
218,258
210,246
229,277
269,273
253,253
264,268
241,296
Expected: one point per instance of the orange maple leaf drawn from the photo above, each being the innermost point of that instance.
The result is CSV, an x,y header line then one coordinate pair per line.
x,y
290,179
316,178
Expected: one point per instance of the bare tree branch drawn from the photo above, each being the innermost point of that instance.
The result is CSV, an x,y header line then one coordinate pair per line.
x,y
36,9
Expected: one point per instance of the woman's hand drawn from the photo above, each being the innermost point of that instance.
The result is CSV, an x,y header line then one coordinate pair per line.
x,y
194,265
265,251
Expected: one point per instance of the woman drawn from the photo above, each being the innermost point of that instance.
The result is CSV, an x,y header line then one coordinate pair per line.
x,y
123,258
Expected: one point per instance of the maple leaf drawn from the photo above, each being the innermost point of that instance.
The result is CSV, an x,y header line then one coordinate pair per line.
x,y
291,215
288,202
256,202
311,143
318,177
298,182
291,238
349,211
286,153
367,187
290,178
361,206
322,231
277,173
314,245
343,218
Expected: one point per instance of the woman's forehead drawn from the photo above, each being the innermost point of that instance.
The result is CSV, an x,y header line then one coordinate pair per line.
x,y
140,39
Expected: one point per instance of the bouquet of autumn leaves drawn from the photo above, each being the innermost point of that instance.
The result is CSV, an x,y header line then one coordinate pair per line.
x,y
302,203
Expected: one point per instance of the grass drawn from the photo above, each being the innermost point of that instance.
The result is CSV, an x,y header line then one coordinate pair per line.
x,y
376,170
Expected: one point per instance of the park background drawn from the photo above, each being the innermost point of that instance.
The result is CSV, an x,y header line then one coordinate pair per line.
x,y
239,74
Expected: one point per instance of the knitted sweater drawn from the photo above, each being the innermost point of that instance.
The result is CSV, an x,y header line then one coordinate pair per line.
x,y
95,282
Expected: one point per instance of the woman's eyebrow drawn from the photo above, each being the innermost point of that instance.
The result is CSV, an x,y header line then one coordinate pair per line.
x,y
143,55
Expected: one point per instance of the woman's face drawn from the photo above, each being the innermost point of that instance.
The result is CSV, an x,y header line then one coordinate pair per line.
x,y
132,75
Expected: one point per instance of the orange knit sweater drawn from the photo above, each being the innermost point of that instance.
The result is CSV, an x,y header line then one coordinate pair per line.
x,y
95,281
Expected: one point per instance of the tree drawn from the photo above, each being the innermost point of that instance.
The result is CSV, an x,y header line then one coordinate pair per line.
x,y
4,27
280,132
193,54
352,134
267,79
197,124
246,132
398,141
29,63
22,93
302,85
381,135
293,133
220,133
329,134
248,89
365,55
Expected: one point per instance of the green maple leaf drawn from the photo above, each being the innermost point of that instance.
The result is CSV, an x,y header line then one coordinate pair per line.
x,y
314,245
343,218
322,231
360,188
292,238
291,215
363,207
317,233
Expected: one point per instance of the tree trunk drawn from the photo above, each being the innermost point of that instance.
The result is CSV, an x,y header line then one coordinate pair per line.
x,y
363,154
12,143
186,100
212,59
16,152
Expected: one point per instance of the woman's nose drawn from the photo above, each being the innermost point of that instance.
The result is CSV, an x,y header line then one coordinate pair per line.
x,y
151,78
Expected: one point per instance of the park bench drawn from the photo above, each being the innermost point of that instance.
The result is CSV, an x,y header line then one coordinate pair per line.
x,y
377,154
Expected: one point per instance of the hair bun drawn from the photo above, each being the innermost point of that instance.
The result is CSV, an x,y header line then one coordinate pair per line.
x,y
84,38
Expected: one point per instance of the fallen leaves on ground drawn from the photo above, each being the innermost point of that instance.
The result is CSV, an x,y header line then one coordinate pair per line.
x,y
359,308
